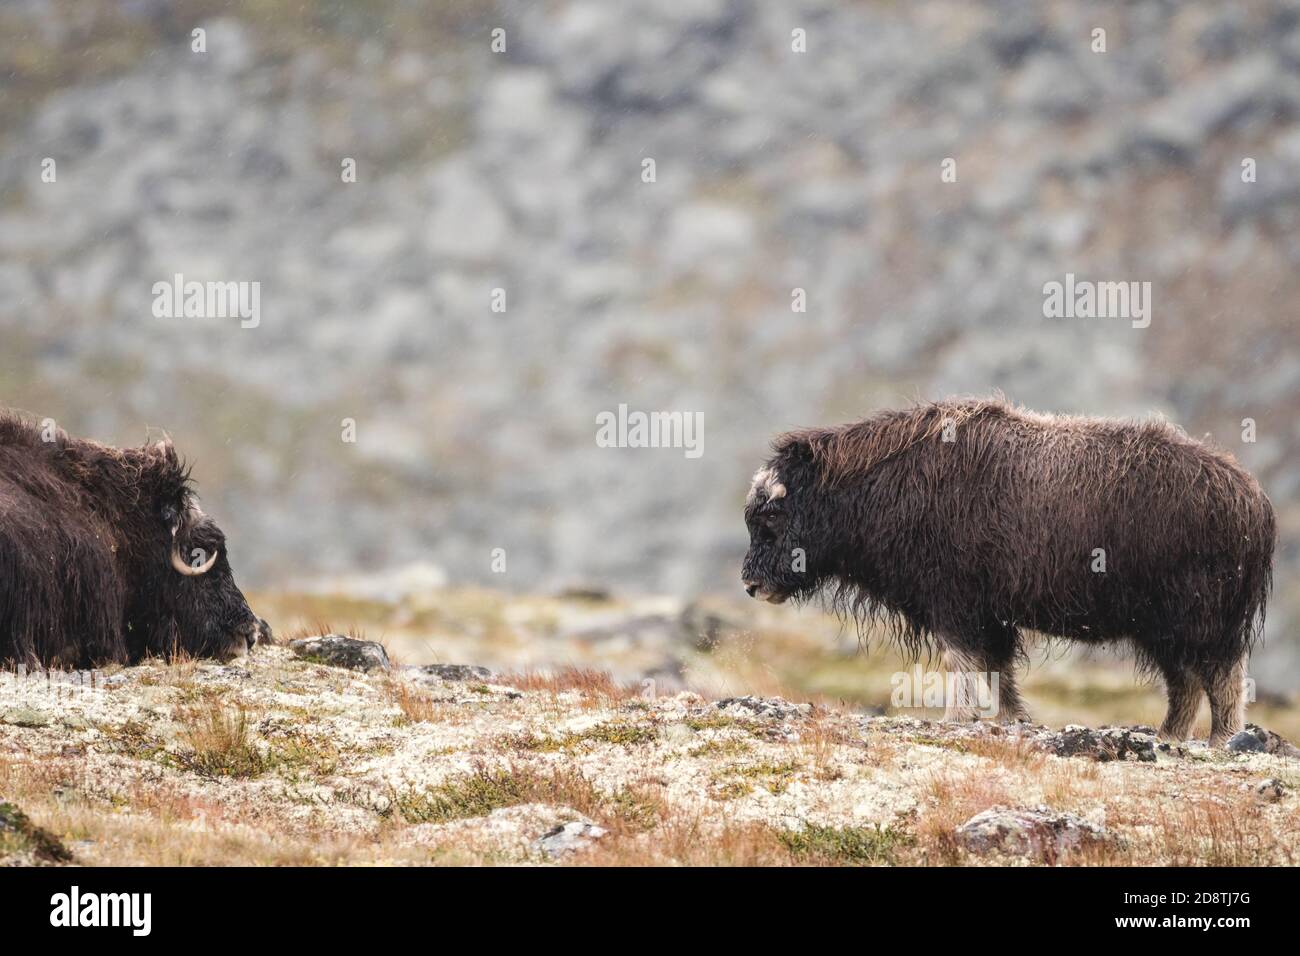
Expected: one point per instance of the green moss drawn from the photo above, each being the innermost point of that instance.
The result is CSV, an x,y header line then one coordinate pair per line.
x,y
471,795
775,777
713,721
732,790
299,755
730,747
620,734
845,845
134,739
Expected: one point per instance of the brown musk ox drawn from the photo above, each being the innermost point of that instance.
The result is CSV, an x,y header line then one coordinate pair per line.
x,y
105,556
962,523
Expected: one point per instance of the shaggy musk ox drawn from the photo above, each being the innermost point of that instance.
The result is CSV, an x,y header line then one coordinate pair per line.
x,y
961,523
91,566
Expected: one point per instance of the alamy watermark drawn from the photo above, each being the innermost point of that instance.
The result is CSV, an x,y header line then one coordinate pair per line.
x,y
75,908
637,429
179,299
919,689
1085,299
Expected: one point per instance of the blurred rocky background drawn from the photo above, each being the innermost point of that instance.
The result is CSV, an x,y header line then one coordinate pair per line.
x,y
522,170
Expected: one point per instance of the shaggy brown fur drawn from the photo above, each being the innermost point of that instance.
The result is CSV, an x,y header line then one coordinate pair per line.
x,y
969,540
86,540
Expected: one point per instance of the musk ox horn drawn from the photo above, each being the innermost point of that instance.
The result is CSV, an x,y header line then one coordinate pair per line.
x,y
179,564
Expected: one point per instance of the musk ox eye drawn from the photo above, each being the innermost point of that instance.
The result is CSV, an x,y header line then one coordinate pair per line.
x,y
169,516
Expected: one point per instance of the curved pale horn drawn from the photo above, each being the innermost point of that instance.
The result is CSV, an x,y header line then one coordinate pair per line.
x,y
179,564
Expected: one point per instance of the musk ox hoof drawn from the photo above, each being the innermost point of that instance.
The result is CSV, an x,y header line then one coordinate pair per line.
x,y
339,651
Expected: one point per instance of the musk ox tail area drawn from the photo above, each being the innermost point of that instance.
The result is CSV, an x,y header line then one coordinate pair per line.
x,y
964,523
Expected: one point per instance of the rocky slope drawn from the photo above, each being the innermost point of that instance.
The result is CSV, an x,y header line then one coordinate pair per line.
x,y
328,752
521,170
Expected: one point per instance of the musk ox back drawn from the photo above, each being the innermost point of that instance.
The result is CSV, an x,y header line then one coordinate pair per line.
x,y
91,566
963,522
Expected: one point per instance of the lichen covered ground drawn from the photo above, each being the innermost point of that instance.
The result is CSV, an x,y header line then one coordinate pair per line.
x,y
278,760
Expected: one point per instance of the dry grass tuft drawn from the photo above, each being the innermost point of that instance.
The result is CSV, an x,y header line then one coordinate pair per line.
x,y
1220,831
417,706
592,684
219,742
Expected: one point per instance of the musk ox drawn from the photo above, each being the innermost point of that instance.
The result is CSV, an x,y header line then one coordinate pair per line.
x,y
963,523
94,544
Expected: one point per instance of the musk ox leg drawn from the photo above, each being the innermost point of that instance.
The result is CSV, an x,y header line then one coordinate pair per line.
x,y
960,700
1011,709
1226,690
1184,693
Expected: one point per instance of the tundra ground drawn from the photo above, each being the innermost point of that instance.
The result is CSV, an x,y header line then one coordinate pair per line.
x,y
277,760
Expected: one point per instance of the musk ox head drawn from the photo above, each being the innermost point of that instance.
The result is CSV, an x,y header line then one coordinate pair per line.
x,y
181,593
787,554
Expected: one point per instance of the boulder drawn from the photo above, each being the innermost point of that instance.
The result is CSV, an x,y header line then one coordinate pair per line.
x,y
336,650
1038,833
424,673
1105,743
1256,740
768,708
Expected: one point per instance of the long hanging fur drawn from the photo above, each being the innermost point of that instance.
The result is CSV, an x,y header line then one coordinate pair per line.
x,y
962,522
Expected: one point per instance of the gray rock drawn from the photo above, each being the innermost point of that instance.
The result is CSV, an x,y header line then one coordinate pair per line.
x,y
1256,740
1038,833
1105,744
568,838
447,672
768,708
25,717
1271,790
339,651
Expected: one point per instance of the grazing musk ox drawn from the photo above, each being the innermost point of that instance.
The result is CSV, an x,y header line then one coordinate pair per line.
x,y
960,523
91,566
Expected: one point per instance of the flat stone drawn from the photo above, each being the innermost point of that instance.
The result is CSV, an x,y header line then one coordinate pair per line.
x,y
1038,833
1257,740
1104,744
448,672
568,838
25,717
335,650
772,708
